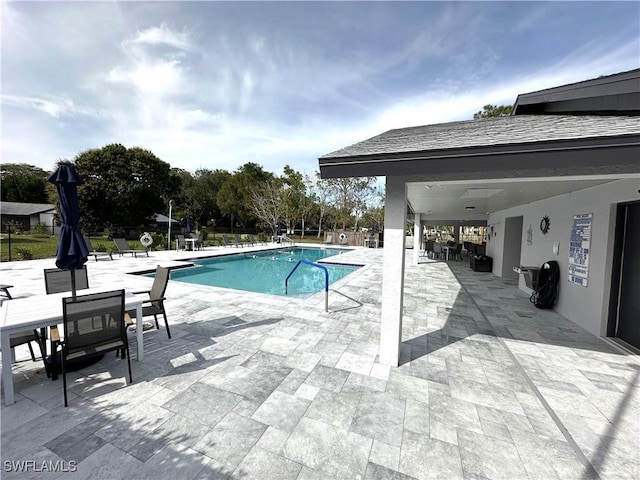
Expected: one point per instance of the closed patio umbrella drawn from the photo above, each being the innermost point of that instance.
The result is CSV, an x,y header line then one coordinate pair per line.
x,y
72,249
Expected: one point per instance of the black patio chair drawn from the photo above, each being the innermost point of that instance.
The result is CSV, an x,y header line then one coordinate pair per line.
x,y
57,281
154,305
93,325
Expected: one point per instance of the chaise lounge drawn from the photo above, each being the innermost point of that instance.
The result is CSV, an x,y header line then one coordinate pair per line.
x,y
123,247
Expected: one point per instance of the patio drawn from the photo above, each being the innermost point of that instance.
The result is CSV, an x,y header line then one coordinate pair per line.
x,y
259,387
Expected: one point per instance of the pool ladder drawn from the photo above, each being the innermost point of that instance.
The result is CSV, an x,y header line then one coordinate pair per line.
x,y
326,280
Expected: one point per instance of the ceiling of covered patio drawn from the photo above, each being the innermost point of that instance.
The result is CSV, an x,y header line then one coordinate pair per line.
x,y
473,200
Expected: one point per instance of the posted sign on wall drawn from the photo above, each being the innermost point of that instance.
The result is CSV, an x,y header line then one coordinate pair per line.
x,y
579,246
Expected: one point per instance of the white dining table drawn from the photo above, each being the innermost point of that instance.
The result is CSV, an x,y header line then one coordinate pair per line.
x,y
42,311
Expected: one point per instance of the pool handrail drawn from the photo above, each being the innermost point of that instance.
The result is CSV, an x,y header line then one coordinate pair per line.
x,y
326,280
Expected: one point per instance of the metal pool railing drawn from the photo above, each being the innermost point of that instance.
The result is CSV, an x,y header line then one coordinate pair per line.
x,y
326,280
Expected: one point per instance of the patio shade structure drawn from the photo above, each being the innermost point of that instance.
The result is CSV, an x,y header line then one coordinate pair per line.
x,y
72,251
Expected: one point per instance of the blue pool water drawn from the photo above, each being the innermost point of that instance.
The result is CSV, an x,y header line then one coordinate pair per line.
x,y
265,272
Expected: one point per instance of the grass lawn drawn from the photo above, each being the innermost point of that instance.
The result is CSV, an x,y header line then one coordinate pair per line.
x,y
39,246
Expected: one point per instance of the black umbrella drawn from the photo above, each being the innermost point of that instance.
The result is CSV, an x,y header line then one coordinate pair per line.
x,y
72,250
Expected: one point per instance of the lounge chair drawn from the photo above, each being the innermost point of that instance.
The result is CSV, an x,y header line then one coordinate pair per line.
x,y
239,241
227,242
253,241
328,240
95,253
123,247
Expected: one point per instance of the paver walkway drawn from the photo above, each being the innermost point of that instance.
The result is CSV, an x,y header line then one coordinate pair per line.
x,y
260,387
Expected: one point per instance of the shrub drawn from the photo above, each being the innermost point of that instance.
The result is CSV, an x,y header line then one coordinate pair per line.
x,y
100,247
41,230
24,253
159,241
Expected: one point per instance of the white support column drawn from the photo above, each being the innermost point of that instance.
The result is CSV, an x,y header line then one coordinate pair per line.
x,y
393,271
417,238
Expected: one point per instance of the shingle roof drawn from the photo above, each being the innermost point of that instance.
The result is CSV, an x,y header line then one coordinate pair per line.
x,y
24,209
511,130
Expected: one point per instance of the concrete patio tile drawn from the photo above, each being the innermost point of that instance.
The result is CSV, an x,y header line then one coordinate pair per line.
x,y
203,403
328,378
177,429
231,439
454,412
385,455
172,461
488,457
379,472
281,410
416,417
427,458
355,363
302,360
260,463
19,468
336,452
108,462
336,409
487,395
380,416
273,440
23,411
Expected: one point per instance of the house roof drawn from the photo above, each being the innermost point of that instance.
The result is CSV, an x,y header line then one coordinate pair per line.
x,y
610,94
25,209
508,140
507,130
160,218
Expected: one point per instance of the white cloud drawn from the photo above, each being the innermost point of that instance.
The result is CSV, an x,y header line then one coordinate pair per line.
x,y
163,35
55,106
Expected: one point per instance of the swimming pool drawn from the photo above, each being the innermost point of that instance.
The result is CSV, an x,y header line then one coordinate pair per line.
x,y
266,271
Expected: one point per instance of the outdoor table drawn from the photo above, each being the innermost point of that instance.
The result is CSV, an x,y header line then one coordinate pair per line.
x,y
192,241
42,311
446,248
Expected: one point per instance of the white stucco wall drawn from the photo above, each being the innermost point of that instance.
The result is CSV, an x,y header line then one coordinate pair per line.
x,y
585,306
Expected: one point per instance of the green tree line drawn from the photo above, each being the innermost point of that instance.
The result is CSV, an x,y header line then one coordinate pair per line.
x,y
127,186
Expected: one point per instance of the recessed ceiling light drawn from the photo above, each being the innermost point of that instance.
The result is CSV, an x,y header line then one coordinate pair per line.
x,y
481,192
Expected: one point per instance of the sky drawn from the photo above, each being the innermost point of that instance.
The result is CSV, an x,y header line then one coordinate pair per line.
x,y
214,85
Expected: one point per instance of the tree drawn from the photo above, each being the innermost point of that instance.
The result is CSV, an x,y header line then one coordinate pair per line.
x,y
350,196
122,186
267,202
321,193
234,198
296,202
493,111
201,192
23,183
